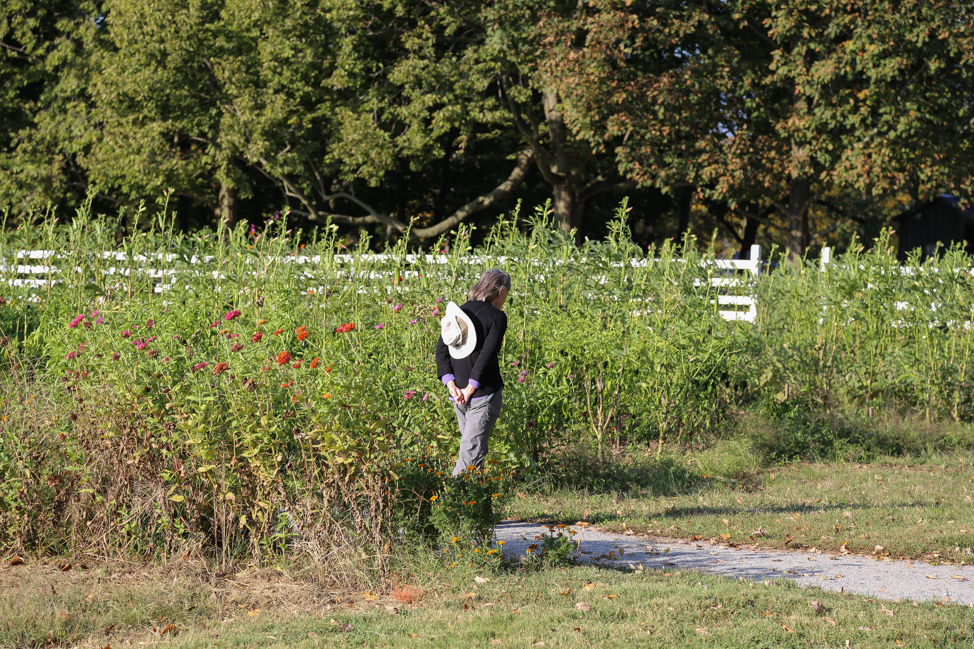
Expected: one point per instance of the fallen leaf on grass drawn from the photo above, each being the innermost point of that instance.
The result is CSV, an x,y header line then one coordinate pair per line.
x,y
253,613
787,628
831,621
468,596
609,596
887,611
171,628
369,595
481,580
16,560
818,608
588,586
931,576
582,606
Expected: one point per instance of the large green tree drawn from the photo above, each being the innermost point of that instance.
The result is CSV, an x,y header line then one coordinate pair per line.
x,y
775,104
44,116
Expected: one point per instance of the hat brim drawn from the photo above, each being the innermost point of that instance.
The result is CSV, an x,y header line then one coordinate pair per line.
x,y
464,350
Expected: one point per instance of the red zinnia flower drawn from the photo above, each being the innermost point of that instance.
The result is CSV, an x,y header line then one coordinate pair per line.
x,y
257,336
314,363
298,364
220,368
345,328
236,348
76,321
302,332
278,332
200,366
284,357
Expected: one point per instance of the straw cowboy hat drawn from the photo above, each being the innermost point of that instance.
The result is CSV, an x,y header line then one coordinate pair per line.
x,y
457,331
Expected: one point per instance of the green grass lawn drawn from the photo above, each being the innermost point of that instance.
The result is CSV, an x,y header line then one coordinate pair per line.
x,y
564,607
895,507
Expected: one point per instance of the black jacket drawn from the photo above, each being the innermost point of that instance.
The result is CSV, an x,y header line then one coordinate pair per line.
x,y
482,365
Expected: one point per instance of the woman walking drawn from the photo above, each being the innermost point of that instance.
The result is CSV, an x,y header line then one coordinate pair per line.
x,y
467,362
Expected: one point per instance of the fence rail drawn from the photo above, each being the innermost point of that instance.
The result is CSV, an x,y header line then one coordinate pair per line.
x,y
35,270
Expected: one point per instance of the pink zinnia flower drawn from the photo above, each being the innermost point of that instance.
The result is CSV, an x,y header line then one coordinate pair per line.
x,y
71,355
397,308
552,364
381,325
127,333
409,394
231,315
236,348
76,321
256,337
200,366
521,376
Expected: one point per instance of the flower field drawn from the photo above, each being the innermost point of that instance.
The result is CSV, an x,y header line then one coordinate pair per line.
x,y
281,395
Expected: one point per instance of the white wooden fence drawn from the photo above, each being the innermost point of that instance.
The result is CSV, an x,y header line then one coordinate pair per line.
x,y
36,270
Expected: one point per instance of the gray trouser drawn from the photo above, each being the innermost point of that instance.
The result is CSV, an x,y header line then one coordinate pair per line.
x,y
476,421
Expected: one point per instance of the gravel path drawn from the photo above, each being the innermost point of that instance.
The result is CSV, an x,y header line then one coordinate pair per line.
x,y
875,577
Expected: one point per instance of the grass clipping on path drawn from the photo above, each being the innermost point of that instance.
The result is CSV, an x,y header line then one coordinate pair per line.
x,y
552,608
900,508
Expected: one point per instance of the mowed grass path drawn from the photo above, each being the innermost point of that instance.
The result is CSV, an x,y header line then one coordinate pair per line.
x,y
892,508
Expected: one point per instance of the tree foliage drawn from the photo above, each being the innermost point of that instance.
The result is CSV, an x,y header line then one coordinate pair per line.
x,y
402,115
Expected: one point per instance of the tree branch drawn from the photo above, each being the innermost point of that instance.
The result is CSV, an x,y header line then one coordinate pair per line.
x,y
502,191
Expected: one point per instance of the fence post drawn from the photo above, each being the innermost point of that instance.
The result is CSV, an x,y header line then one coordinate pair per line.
x,y
826,258
755,256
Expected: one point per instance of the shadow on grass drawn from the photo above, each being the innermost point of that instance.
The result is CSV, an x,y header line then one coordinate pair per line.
x,y
643,474
683,512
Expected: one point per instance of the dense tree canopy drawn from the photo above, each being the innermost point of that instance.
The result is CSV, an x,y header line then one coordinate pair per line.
x,y
391,115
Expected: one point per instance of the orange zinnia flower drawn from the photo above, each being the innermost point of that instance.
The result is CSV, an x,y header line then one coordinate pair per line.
x,y
220,368
314,362
302,332
284,357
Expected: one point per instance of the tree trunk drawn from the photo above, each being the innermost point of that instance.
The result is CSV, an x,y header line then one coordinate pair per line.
x,y
228,206
750,236
569,210
685,203
799,198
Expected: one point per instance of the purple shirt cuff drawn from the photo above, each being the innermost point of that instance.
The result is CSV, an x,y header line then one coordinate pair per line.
x,y
446,378
475,383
